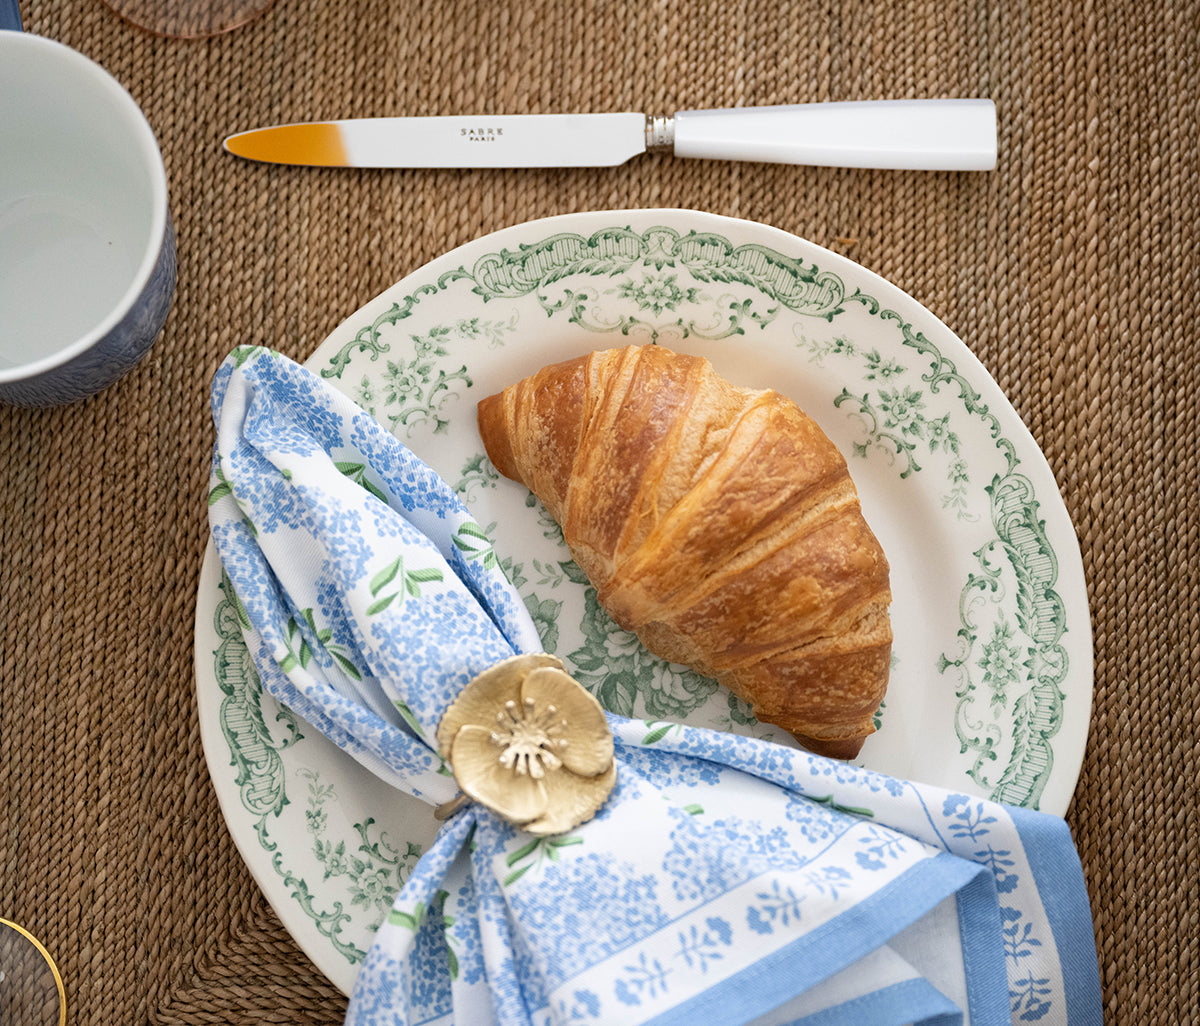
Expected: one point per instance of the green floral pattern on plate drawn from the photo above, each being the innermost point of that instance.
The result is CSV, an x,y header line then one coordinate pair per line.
x,y
366,874
985,638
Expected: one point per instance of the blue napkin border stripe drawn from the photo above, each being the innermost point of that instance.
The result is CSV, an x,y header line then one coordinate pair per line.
x,y
1063,890
775,979
912,1001
984,959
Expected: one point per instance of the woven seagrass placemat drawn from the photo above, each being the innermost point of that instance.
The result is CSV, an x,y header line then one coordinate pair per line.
x,y
1071,271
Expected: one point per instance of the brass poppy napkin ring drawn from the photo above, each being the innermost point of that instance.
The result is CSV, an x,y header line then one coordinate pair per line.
x,y
525,740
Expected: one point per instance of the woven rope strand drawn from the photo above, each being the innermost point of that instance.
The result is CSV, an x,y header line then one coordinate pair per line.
x,y
1071,271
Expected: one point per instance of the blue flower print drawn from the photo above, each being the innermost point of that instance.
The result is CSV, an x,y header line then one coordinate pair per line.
x,y
968,817
700,947
647,978
779,906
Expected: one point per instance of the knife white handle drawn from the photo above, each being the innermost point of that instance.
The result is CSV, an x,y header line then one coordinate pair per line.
x,y
928,135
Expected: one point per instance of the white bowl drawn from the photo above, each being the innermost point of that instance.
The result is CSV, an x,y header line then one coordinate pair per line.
x,y
87,250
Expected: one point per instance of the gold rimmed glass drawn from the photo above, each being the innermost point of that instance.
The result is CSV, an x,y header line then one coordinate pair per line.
x,y
189,19
31,987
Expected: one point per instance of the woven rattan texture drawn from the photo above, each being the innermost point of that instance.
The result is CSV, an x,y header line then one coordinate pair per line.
x,y
1071,271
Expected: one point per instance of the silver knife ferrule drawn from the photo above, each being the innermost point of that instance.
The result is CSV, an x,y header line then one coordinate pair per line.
x,y
660,133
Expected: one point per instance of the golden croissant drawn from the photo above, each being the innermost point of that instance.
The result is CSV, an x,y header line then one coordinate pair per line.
x,y
718,523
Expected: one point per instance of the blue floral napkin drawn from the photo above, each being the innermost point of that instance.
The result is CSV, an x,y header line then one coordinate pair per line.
x,y
725,880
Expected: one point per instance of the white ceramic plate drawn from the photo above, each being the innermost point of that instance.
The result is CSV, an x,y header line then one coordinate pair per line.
x,y
992,668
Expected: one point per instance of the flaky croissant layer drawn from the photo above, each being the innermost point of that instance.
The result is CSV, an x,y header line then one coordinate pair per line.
x,y
718,523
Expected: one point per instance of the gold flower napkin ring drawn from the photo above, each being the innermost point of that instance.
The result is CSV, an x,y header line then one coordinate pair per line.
x,y
525,740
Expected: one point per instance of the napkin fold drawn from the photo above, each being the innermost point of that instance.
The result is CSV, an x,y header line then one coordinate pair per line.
x,y
725,879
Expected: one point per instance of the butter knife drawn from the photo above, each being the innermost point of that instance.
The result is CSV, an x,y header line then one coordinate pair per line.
x,y
932,135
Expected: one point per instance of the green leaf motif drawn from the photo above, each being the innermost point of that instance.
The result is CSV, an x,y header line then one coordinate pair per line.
x,y
409,584
410,921
382,604
219,492
573,572
472,530
368,338
385,576
425,575
413,391
658,733
302,654
243,353
533,854
407,715
877,716
347,666
896,446
852,809
357,472
477,473
523,852
513,877
473,542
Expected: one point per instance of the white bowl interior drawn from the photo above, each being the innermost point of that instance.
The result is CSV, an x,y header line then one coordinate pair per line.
x,y
82,202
